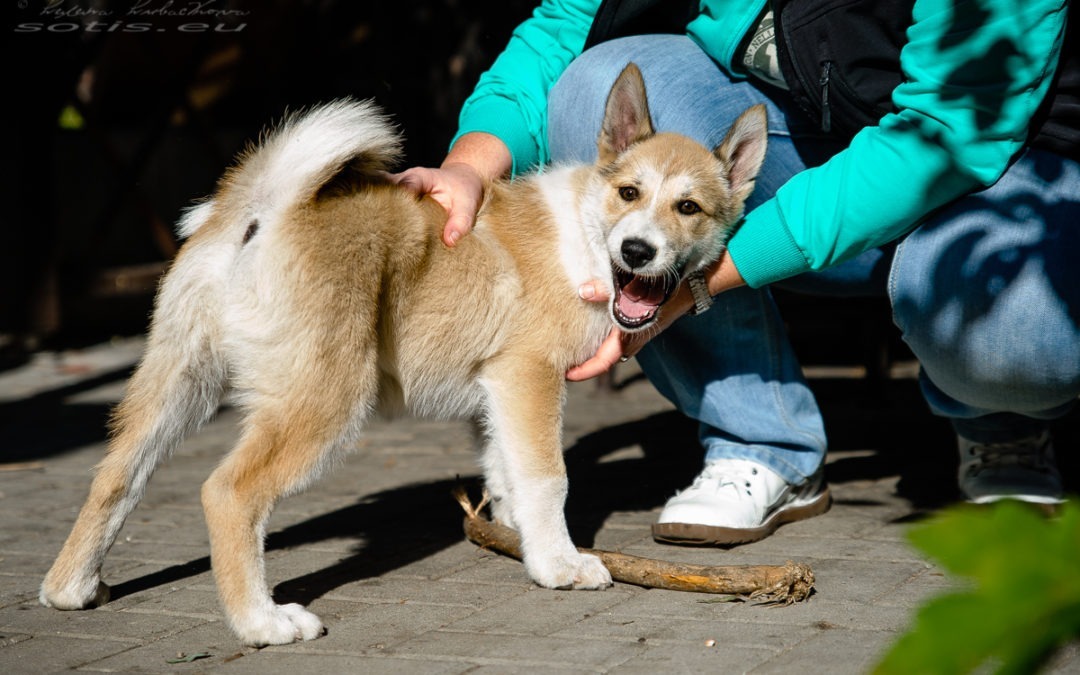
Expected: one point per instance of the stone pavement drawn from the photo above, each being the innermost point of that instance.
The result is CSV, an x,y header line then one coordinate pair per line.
x,y
376,547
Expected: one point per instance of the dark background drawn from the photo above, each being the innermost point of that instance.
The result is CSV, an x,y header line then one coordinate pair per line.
x,y
125,112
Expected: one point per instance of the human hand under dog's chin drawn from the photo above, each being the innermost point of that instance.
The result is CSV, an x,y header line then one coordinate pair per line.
x,y
619,346
456,186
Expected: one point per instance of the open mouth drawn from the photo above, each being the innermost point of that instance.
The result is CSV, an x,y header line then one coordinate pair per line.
x,y
638,298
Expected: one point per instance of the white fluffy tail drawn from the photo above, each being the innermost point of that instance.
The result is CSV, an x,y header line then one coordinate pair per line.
x,y
299,156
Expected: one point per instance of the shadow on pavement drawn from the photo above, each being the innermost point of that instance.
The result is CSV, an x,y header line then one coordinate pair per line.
x,y
874,435
47,424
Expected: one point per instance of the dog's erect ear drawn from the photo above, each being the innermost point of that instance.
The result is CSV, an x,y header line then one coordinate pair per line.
x,y
626,118
743,150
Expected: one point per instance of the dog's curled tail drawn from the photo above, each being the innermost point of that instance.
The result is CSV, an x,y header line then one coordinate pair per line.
x,y
305,151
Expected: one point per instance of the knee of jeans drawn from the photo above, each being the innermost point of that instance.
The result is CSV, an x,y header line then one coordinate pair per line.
x,y
996,357
592,72
1020,391
1011,370
559,97
578,95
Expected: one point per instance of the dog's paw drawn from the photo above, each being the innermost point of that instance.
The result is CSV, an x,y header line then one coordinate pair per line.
x,y
84,594
577,570
281,625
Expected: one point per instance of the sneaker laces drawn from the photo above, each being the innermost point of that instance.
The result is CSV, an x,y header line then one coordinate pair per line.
x,y
718,476
1032,453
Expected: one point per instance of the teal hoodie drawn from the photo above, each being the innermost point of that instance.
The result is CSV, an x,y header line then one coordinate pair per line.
x,y
934,149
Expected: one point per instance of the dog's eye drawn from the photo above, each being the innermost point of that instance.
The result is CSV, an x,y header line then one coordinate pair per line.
x,y
628,193
688,207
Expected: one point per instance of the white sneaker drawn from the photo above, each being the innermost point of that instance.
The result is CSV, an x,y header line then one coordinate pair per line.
x,y
1023,470
735,501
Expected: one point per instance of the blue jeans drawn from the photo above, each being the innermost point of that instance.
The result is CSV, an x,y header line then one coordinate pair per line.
x,y
986,292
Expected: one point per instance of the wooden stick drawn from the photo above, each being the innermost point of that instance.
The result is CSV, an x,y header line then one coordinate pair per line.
x,y
775,584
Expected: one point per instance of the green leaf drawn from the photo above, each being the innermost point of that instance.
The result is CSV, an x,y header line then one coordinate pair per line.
x,y
1024,602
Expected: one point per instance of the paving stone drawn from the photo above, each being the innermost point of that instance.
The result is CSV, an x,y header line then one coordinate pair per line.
x,y
695,632
382,625
270,661
157,551
376,548
520,653
187,602
17,589
45,653
7,638
534,668
833,546
677,605
103,622
927,583
495,569
620,538
401,590
453,561
153,656
25,563
1067,660
850,615
681,658
542,611
862,580
830,652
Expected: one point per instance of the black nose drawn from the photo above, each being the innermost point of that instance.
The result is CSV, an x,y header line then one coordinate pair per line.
x,y
637,252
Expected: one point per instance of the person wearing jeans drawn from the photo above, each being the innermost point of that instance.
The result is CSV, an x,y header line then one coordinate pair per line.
x,y
969,230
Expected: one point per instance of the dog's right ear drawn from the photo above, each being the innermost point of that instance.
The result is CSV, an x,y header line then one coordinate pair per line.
x,y
743,150
626,117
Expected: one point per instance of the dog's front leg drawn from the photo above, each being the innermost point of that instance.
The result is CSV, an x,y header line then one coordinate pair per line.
x,y
524,425
496,484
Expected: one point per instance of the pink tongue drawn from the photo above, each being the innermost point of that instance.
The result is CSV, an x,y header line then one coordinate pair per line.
x,y
639,298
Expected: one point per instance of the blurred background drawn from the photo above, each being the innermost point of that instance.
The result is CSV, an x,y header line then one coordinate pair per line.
x,y
125,112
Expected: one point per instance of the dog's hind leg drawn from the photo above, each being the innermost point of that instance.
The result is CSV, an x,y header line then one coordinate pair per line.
x,y
174,390
524,423
285,445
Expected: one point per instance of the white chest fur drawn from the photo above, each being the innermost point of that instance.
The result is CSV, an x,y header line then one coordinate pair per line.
x,y
580,238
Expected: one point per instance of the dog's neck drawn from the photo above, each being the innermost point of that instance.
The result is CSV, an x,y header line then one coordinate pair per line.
x,y
576,217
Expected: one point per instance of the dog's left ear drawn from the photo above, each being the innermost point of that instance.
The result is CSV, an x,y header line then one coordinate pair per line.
x,y
626,117
743,150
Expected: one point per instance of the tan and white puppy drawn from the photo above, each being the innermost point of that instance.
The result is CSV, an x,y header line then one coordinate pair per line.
x,y
318,294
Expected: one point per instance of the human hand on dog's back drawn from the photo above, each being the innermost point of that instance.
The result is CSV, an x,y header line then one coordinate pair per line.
x,y
458,184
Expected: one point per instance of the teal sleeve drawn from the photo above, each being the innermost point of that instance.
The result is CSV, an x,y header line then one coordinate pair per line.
x,y
975,71
510,100
719,28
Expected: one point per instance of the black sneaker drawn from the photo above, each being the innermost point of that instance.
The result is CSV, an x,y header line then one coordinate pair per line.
x,y
1023,470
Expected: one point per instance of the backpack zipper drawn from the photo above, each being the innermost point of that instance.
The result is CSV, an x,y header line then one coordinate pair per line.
x,y
826,114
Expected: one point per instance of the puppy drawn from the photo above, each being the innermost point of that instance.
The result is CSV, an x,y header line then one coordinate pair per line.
x,y
318,294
